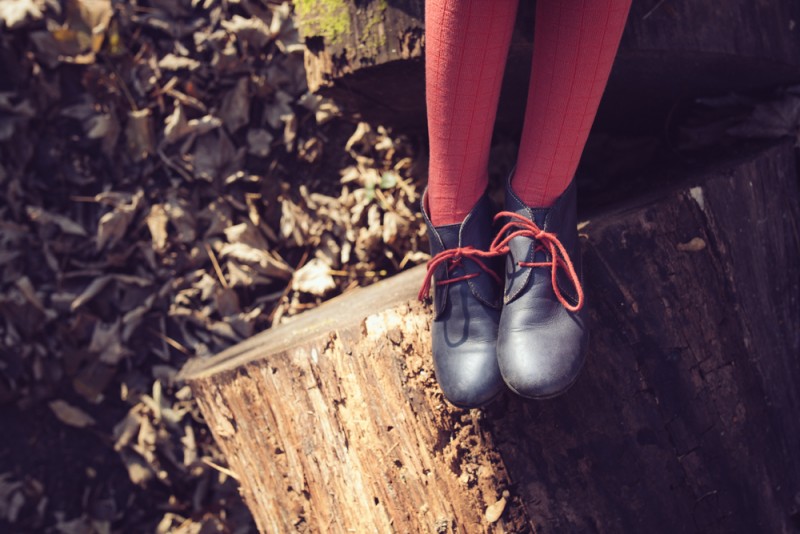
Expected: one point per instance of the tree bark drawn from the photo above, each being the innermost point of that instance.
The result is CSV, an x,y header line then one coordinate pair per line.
x,y
670,51
684,419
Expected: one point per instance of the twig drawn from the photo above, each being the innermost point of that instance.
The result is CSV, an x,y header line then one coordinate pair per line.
x,y
187,100
383,200
174,166
122,85
217,268
219,468
288,288
171,342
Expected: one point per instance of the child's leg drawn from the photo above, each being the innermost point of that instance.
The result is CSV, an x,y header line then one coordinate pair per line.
x,y
466,45
575,42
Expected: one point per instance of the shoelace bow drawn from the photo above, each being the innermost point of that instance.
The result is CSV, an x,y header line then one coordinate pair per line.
x,y
546,242
453,257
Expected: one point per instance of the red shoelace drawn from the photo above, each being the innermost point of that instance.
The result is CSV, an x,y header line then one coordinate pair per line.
x,y
546,242
454,257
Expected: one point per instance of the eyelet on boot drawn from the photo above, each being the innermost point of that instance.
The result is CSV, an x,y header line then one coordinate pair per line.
x,y
467,294
542,337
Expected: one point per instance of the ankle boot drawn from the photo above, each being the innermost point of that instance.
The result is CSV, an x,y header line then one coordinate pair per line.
x,y
467,299
542,336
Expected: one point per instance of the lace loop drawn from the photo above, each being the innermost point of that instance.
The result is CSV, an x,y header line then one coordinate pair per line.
x,y
454,257
547,242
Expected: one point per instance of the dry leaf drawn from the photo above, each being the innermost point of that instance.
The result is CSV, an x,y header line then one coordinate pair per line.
x,y
279,109
15,13
314,277
157,224
107,342
182,219
251,30
95,287
11,497
138,470
114,224
66,225
70,415
262,259
235,111
772,120
259,142
226,301
173,62
139,134
214,154
176,125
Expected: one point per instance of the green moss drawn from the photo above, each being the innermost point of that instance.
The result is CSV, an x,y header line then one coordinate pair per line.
x,y
372,39
329,19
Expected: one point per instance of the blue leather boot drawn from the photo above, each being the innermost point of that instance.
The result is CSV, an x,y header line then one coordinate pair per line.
x,y
542,338
467,299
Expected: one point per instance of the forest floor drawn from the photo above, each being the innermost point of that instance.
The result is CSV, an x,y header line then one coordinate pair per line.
x,y
168,187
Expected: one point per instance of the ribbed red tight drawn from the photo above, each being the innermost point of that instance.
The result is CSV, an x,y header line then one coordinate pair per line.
x,y
467,43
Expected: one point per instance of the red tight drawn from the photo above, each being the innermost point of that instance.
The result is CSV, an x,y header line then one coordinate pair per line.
x,y
467,42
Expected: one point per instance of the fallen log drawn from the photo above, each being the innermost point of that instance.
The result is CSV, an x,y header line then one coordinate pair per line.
x,y
368,57
684,419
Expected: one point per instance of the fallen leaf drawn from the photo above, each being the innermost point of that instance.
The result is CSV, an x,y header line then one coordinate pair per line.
x,y
772,120
173,62
92,290
68,226
314,278
113,225
279,109
259,142
181,218
157,220
139,134
15,13
177,126
268,264
70,415
249,29
235,111
106,341
214,153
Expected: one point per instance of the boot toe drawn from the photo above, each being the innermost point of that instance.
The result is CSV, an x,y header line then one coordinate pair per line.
x,y
469,376
541,362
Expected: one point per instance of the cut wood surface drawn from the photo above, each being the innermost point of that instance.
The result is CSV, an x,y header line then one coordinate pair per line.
x,y
345,428
684,419
368,56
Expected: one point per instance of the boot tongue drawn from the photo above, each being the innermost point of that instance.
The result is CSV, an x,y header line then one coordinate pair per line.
x,y
558,219
476,232
522,248
539,216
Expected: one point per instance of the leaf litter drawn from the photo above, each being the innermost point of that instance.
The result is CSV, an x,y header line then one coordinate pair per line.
x,y
169,188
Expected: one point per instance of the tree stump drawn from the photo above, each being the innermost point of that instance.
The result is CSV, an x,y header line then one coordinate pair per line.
x,y
367,55
684,419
